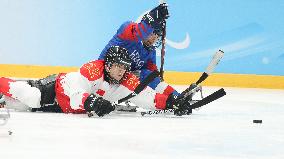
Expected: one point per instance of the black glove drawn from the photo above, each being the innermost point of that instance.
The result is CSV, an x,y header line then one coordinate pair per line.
x,y
156,17
172,102
99,105
179,104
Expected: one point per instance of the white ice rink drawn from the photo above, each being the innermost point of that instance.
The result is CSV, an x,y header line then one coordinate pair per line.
x,y
221,130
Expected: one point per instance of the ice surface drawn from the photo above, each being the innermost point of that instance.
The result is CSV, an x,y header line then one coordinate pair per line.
x,y
224,129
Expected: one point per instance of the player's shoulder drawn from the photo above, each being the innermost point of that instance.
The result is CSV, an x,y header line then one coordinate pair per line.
x,y
130,81
93,70
125,25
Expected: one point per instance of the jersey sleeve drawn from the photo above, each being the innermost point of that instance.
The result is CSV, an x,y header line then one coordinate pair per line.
x,y
89,73
77,86
147,98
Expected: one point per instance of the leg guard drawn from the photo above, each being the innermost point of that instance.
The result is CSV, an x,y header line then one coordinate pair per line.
x,y
47,88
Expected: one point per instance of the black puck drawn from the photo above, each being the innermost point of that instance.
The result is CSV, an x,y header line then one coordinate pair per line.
x,y
257,121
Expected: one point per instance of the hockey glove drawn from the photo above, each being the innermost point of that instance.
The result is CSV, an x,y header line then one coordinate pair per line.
x,y
156,17
184,99
180,105
99,105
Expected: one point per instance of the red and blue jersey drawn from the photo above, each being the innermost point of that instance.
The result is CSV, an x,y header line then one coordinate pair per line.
x,y
130,36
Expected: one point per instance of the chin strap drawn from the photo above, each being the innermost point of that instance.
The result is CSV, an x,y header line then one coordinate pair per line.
x,y
147,47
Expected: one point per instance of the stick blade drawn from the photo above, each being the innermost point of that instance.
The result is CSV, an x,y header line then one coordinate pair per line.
x,y
210,98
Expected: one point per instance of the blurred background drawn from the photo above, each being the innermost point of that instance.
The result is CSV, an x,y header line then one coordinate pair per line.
x,y
72,32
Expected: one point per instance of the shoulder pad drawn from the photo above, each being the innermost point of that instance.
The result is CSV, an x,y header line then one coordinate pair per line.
x,y
93,70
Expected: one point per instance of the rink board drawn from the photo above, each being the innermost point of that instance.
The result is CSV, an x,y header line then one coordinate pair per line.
x,y
177,78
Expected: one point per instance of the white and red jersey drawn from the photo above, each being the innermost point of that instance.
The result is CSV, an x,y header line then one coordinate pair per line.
x,y
72,89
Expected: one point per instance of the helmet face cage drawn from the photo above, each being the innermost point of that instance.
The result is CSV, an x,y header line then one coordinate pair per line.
x,y
158,43
118,55
121,62
158,31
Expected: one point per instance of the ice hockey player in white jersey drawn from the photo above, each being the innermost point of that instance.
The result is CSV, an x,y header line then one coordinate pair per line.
x,y
94,87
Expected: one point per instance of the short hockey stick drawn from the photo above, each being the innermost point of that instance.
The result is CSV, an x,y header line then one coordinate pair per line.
x,y
136,91
163,46
208,99
163,52
141,86
210,68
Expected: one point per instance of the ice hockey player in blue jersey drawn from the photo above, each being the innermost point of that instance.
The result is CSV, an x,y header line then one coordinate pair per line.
x,y
141,40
